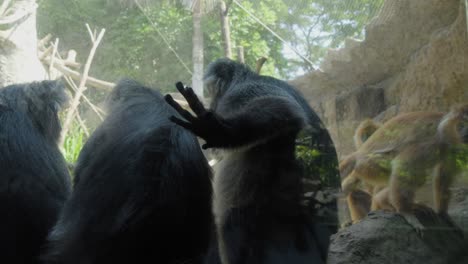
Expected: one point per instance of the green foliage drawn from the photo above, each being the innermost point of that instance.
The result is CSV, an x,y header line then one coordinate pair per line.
x,y
253,37
73,143
322,24
318,161
461,157
132,47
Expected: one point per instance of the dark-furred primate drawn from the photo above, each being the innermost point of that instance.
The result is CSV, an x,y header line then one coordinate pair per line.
x,y
258,184
142,189
34,180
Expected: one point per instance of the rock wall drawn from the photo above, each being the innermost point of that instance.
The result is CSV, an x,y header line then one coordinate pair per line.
x,y
414,57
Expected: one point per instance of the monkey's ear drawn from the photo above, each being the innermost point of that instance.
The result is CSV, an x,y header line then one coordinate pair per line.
x,y
221,70
58,93
48,93
124,89
221,73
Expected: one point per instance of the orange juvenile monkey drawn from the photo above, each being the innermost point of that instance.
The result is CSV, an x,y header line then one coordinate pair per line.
x,y
359,200
398,156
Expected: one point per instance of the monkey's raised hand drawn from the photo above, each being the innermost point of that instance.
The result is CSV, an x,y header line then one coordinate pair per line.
x,y
206,124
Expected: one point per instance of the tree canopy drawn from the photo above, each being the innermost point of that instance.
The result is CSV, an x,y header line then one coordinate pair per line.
x,y
153,45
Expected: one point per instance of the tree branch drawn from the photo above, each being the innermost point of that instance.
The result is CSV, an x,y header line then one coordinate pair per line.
x,y
77,77
52,58
99,112
259,64
4,7
41,43
82,124
18,15
81,87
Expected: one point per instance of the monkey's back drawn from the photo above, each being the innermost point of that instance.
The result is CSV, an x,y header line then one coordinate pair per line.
x,y
402,131
34,184
141,184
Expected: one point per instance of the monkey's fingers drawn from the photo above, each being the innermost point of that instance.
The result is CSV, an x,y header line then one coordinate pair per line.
x,y
184,91
181,123
180,87
184,113
195,104
172,102
192,99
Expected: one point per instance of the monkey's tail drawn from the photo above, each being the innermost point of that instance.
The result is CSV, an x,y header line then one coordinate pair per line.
x,y
349,180
363,132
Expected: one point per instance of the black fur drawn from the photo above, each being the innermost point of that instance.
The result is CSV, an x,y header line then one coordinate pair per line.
x,y
464,134
142,189
34,180
258,185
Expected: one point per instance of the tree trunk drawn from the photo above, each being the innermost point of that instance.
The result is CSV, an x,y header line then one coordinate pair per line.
x,y
240,54
18,43
197,49
225,30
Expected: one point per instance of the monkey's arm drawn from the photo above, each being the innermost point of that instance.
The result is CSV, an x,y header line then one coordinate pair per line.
x,y
259,120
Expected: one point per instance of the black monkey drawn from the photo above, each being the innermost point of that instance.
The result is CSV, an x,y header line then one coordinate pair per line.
x,y
34,180
258,185
142,190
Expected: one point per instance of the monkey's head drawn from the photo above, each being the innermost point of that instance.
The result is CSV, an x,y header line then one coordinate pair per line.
x,y
221,73
127,92
40,101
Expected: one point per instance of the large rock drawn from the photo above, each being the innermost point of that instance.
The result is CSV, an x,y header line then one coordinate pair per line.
x,y
385,237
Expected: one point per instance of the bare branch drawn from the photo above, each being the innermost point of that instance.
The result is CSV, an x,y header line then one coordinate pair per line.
x,y
41,43
45,53
90,32
259,64
77,76
45,58
81,87
99,112
18,16
4,7
90,81
71,60
73,64
82,124
52,58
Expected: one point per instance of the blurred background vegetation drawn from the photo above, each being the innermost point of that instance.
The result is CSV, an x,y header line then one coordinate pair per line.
x,y
132,46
